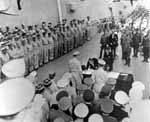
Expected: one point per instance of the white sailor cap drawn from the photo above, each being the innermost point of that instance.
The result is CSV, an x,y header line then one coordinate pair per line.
x,y
101,62
81,110
95,118
138,84
14,68
15,95
121,97
76,53
63,82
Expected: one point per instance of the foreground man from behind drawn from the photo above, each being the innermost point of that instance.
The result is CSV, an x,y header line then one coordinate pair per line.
x,y
99,77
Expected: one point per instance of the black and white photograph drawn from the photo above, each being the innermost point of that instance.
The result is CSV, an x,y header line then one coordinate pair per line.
x,y
74,60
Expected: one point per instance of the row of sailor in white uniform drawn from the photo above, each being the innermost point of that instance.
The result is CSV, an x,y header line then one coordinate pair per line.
x,y
40,47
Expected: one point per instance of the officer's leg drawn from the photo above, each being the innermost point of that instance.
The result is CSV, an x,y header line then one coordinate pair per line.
x,y
115,51
144,54
136,51
101,52
126,58
147,54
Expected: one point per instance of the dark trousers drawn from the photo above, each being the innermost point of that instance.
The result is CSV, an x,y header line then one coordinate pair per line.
x,y
113,50
102,50
123,56
146,53
127,58
135,51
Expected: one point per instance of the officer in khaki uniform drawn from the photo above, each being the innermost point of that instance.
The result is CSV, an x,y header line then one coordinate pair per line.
x,y
40,46
30,54
75,69
36,52
51,46
69,38
45,47
77,34
80,33
64,33
20,50
73,35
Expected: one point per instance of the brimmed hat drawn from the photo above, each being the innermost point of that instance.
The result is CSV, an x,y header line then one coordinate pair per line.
x,y
76,53
33,74
121,97
64,103
14,68
107,106
111,81
126,119
101,62
135,93
39,87
87,73
52,75
62,94
15,95
106,89
88,81
95,118
59,119
3,48
67,75
138,84
88,95
81,110
62,82
47,82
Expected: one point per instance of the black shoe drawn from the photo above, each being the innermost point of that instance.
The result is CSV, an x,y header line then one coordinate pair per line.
x,y
136,56
144,61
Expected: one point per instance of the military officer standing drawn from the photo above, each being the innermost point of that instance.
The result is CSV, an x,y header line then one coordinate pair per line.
x,y
36,52
46,47
51,46
75,68
40,46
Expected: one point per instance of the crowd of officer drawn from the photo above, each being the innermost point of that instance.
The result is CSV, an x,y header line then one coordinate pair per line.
x,y
108,46
133,38
78,96
42,43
